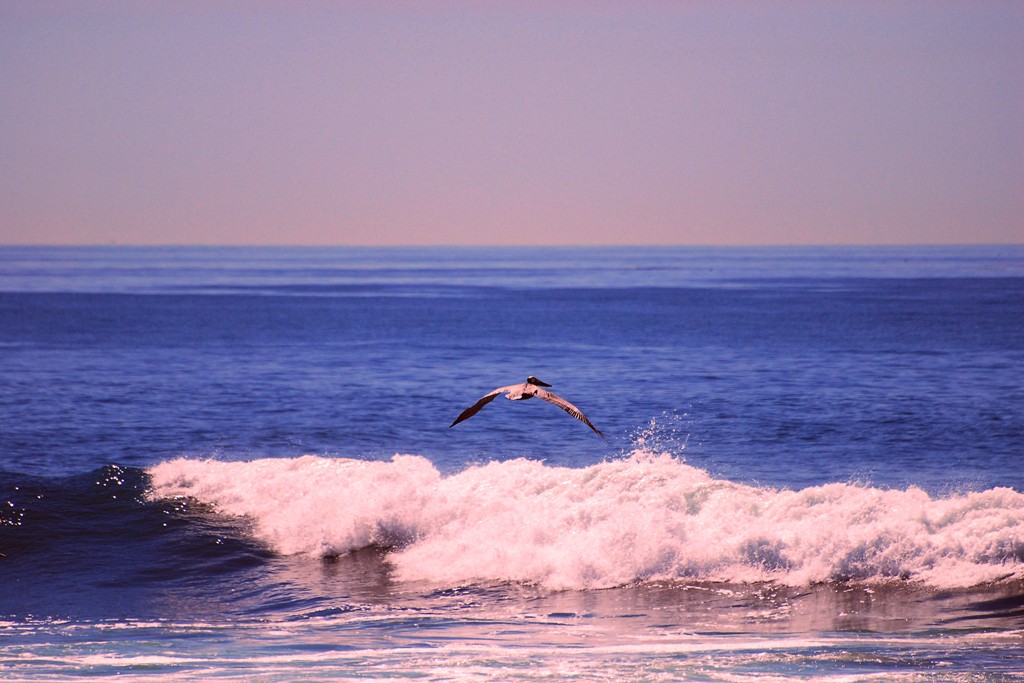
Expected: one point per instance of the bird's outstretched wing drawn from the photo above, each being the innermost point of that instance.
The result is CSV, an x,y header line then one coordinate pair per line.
x,y
475,408
555,399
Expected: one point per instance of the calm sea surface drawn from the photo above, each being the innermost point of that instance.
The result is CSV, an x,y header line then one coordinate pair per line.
x,y
236,464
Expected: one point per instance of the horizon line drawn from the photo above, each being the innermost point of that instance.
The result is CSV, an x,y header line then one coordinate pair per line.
x,y
457,245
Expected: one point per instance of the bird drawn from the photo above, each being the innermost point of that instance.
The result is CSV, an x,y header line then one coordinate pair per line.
x,y
520,392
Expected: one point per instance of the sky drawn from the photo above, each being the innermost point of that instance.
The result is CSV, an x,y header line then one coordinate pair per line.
x,y
511,123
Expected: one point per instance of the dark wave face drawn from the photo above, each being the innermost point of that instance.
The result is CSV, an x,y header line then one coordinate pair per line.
x,y
92,546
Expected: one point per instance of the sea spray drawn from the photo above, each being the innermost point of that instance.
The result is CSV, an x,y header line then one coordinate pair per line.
x,y
639,518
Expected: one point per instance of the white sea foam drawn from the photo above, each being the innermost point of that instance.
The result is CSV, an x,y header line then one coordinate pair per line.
x,y
644,517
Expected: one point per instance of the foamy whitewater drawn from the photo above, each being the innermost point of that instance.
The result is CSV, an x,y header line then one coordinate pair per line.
x,y
641,518
231,464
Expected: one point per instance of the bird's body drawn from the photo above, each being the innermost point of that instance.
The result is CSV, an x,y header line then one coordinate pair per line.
x,y
521,392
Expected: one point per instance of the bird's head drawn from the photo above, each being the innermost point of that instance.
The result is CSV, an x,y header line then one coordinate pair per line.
x,y
533,380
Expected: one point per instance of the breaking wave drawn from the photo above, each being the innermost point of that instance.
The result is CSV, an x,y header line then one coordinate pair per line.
x,y
646,517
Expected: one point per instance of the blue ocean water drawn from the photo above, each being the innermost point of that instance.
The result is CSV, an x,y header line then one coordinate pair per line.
x,y
236,463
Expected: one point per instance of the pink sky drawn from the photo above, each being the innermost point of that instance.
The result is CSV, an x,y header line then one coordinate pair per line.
x,y
511,123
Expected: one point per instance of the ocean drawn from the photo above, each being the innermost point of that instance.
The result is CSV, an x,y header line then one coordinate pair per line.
x,y
236,464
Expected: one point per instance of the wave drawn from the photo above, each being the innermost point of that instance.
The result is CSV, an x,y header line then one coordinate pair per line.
x,y
646,517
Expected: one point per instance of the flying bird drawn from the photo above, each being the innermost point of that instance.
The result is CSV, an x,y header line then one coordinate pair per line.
x,y
520,392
